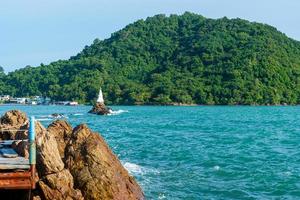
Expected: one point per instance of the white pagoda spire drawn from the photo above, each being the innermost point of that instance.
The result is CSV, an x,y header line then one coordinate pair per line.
x,y
100,97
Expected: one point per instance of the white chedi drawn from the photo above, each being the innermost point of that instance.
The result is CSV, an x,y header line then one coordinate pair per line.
x,y
100,97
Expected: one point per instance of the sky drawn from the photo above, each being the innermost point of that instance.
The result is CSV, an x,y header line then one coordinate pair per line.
x,y
42,31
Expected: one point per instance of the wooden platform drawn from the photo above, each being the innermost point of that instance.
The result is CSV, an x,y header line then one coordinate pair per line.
x,y
16,180
16,172
14,169
9,159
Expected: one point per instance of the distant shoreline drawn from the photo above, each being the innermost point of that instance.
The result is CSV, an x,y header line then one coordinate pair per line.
x,y
154,104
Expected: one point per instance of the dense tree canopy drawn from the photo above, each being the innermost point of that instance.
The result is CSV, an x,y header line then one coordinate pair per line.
x,y
164,60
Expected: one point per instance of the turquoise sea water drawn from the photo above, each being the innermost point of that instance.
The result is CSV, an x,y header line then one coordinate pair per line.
x,y
204,152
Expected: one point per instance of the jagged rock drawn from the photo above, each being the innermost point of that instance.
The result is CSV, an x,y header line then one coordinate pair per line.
x,y
36,197
22,135
96,170
55,181
100,109
21,147
48,158
14,118
62,131
12,124
59,186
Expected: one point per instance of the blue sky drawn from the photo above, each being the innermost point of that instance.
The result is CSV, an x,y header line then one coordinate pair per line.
x,y
42,31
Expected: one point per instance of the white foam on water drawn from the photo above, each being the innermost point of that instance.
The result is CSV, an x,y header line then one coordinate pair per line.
x,y
77,114
44,119
133,168
217,168
137,169
117,112
161,196
61,116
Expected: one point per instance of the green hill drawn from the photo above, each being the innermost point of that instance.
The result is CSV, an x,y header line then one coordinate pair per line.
x,y
183,59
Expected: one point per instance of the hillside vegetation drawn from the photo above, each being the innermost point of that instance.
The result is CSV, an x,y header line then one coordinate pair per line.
x,y
176,59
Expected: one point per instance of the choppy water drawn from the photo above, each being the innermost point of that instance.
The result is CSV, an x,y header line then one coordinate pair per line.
x,y
205,152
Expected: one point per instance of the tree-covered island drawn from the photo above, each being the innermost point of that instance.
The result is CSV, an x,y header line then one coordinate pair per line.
x,y
186,59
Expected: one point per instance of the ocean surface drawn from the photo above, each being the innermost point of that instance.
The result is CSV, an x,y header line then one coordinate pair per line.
x,y
203,152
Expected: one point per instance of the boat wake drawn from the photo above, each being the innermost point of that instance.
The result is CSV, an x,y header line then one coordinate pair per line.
x,y
117,112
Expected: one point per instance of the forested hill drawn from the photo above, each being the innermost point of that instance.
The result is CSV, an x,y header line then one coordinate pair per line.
x,y
163,60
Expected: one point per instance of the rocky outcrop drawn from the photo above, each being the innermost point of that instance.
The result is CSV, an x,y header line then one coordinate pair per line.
x,y
21,147
14,118
59,186
100,109
96,170
75,164
48,158
55,181
62,131
13,124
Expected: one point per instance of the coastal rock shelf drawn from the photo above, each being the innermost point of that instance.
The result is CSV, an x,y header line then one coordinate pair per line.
x,y
71,163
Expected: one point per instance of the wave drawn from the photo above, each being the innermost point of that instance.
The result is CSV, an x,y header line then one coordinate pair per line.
x,y
44,119
138,170
117,112
133,168
161,196
58,116
77,114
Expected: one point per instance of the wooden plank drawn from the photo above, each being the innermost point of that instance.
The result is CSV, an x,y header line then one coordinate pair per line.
x,y
8,153
19,183
17,158
10,175
15,162
7,142
11,166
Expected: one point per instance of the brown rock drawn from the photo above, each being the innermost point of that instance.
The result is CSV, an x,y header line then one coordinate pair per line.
x,y
55,181
14,118
96,170
13,123
39,129
100,109
21,147
36,197
62,131
59,186
48,158
21,135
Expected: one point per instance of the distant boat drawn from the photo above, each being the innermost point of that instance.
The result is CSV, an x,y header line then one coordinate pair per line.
x,y
100,97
